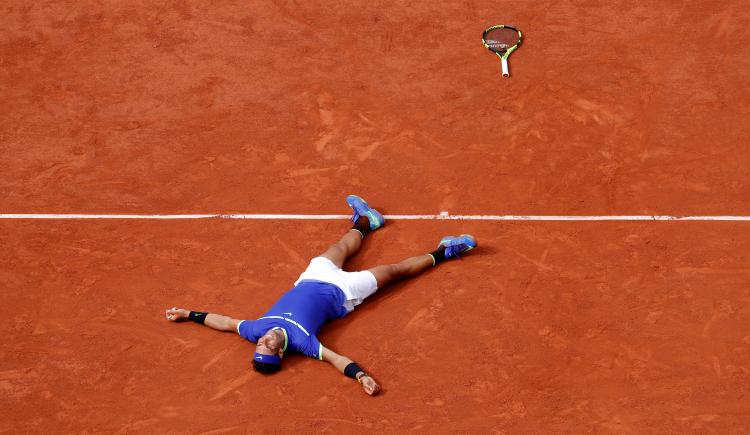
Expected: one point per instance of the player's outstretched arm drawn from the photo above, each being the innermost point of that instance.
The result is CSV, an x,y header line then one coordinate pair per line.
x,y
215,321
352,370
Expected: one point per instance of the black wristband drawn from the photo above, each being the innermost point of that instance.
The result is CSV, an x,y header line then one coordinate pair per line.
x,y
352,369
197,317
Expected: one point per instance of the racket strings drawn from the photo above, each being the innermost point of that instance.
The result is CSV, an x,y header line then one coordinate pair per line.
x,y
499,40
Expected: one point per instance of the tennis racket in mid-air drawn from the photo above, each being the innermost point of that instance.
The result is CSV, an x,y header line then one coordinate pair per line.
x,y
502,40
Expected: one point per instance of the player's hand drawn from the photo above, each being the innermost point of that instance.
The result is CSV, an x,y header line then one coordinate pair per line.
x,y
175,314
369,385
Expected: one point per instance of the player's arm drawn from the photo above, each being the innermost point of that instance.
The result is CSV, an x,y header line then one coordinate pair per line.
x,y
214,321
352,370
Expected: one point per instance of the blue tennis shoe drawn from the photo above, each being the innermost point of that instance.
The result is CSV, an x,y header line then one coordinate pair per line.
x,y
361,208
455,245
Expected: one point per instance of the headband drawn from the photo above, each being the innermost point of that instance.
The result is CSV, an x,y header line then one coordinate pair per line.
x,y
268,359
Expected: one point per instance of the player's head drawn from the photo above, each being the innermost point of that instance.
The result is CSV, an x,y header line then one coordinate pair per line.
x,y
268,352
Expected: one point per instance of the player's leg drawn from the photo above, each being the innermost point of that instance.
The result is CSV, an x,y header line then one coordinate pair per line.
x,y
345,247
358,286
366,220
449,247
412,266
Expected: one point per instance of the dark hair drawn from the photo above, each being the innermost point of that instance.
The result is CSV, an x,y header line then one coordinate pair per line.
x,y
266,368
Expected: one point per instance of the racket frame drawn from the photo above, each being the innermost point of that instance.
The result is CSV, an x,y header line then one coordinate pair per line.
x,y
504,56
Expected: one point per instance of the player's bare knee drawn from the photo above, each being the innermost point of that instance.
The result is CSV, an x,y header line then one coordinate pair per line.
x,y
338,248
395,271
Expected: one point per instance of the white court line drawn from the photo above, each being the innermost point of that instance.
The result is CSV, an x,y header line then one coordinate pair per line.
x,y
440,216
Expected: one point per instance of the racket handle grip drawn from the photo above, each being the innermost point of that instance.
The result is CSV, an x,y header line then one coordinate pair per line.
x,y
504,62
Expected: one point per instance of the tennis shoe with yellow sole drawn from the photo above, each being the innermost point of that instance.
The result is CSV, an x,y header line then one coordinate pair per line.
x,y
456,245
361,208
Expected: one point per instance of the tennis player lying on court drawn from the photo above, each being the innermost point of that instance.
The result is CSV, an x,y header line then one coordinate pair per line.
x,y
325,292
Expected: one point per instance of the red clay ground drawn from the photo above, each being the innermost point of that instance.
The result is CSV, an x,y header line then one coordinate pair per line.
x,y
539,331
284,106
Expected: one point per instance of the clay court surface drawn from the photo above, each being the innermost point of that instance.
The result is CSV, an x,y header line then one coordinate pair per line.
x,y
613,108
